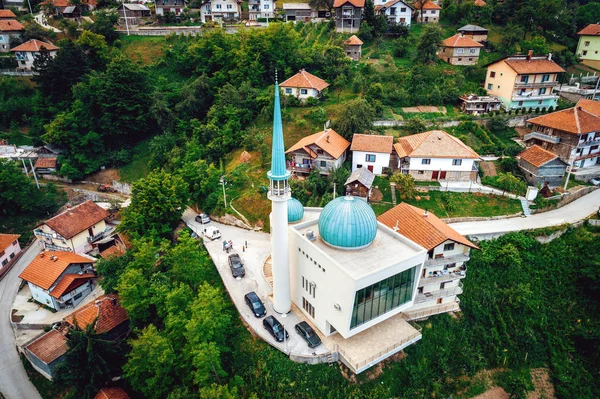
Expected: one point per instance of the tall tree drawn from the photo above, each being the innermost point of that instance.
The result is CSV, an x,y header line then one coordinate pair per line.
x,y
428,43
318,4
357,117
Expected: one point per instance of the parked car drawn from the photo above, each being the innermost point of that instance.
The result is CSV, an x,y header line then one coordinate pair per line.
x,y
202,218
595,182
309,335
277,330
236,266
255,304
212,233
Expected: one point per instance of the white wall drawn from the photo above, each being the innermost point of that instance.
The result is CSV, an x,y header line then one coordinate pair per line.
x,y
382,160
28,57
406,14
9,253
267,12
297,92
42,296
443,164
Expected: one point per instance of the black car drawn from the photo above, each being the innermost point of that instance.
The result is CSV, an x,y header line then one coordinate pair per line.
x,y
255,304
236,266
273,326
309,335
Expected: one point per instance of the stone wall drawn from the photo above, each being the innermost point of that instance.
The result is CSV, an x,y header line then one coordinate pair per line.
x,y
450,175
567,199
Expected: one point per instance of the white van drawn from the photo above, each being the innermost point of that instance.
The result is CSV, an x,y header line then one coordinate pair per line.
x,y
212,233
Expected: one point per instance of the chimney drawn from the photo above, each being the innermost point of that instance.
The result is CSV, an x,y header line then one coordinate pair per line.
x,y
579,108
55,259
396,227
549,56
529,55
426,213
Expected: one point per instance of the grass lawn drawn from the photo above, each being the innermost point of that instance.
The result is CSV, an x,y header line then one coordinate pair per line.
x,y
138,167
381,207
467,204
384,186
144,49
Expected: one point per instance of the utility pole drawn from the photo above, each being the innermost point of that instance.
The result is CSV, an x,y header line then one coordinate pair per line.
x,y
222,181
125,16
334,190
570,168
25,167
34,175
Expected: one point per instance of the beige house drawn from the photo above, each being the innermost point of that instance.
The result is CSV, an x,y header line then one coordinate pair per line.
x,y
588,48
459,50
323,151
75,229
304,85
353,47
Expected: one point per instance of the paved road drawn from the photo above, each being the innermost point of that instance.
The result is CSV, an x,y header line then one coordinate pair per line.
x,y
571,213
14,383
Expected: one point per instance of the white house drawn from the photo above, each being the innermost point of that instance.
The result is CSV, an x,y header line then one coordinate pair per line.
x,y
261,9
174,6
304,85
9,248
396,11
10,28
372,152
75,229
436,155
323,151
27,52
220,10
60,279
430,11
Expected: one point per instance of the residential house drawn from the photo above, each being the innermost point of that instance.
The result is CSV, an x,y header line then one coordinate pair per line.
x,y
371,151
106,315
359,183
9,248
476,105
580,91
221,10
27,52
348,14
10,30
573,134
116,245
60,279
323,151
132,14
75,229
45,166
427,11
524,81
7,15
261,9
353,48
304,85
175,6
47,351
588,48
395,11
480,3
475,32
61,5
440,281
542,167
111,393
459,50
298,12
436,155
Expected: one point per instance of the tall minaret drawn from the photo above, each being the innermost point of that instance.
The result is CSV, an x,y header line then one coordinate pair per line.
x,y
279,193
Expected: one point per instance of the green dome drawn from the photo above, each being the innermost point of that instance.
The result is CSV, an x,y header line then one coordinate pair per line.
x,y
348,222
295,210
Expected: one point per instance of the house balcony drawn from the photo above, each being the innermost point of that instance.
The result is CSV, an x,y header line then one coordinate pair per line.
x,y
54,236
302,167
522,85
52,247
447,259
441,277
589,143
430,311
542,137
433,295
531,97
587,156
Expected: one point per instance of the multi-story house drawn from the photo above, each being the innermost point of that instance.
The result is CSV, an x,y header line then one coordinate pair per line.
x,y
436,155
372,152
542,167
27,52
348,14
353,47
75,229
427,11
524,81
304,85
440,280
395,11
174,6
573,134
323,151
459,50
10,29
9,248
474,104
261,9
132,14
298,12
474,32
221,10
588,48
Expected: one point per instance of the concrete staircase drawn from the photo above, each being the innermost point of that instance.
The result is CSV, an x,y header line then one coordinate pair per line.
x,y
525,206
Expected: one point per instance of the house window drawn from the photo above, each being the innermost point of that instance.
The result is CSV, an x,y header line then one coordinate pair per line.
x,y
358,166
542,90
545,78
403,9
76,297
460,59
490,86
524,78
266,6
421,172
520,103
218,6
370,158
540,102
586,43
472,50
229,6
426,161
584,53
449,247
457,162
492,74
303,91
310,309
4,262
323,164
288,91
459,51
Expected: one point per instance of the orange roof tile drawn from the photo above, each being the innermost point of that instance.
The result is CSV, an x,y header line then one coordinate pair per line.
x,y
328,140
459,40
77,219
66,3
522,65
537,156
480,3
105,311
7,14
433,144
9,25
590,30
49,346
111,251
580,119
427,231
45,163
35,45
354,41
6,240
372,143
355,3
69,282
593,107
111,393
429,5
43,270
304,79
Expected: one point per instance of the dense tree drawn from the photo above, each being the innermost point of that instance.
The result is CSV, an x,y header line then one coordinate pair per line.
x,y
357,117
428,43
405,184
587,14
318,4
104,25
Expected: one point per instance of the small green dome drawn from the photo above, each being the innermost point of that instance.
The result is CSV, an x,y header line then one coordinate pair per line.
x,y
348,222
295,210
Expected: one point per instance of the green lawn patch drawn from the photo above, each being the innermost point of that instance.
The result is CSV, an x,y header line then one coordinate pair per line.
x,y
466,204
144,49
381,207
138,167
383,185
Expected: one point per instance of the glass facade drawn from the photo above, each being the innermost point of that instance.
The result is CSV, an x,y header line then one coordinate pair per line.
x,y
383,296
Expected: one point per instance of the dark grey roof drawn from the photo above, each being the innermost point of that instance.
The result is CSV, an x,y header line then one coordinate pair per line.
x,y
363,176
135,7
472,28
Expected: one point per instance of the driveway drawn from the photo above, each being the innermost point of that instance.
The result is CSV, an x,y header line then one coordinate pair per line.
x,y
14,383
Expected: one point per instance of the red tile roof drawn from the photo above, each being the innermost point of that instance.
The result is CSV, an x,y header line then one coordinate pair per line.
x,y
522,65
66,3
328,140
77,219
480,3
10,25
355,3
590,30
34,45
105,311
306,80
429,5
47,267
111,251
427,231
580,119
6,240
537,156
111,393
45,163
433,144
372,143
49,346
69,282
459,40
7,14
354,41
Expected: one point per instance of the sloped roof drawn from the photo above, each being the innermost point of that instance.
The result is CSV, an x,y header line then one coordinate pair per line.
x,y
111,251
106,311
372,143
590,30
580,119
111,393
361,175
391,3
6,240
472,28
328,140
49,346
355,3
304,79
9,25
45,163
69,282
354,40
66,3
43,270
7,14
77,219
433,144
460,40
296,6
537,156
537,64
429,5
480,3
426,230
34,45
